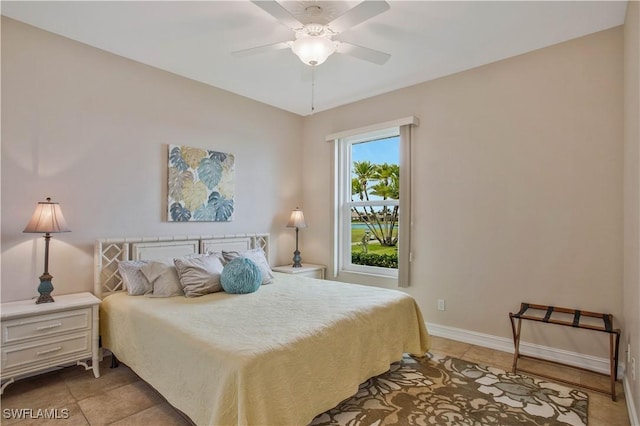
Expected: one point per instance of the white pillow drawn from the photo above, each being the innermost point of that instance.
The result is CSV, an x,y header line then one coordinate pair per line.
x,y
163,277
199,275
135,281
258,257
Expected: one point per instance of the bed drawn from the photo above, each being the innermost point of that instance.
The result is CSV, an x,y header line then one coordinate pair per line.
x,y
279,356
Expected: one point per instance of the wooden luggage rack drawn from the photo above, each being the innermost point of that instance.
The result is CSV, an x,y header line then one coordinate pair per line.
x,y
606,327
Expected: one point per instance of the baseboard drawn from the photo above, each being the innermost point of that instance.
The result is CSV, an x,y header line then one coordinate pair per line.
x,y
600,365
631,406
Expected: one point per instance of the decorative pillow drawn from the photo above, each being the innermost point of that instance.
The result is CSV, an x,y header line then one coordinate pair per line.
x,y
133,278
258,257
199,275
241,276
163,277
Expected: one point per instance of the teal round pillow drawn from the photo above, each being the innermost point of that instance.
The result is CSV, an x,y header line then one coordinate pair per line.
x,y
241,276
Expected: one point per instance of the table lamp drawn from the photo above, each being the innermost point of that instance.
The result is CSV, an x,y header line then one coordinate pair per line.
x,y
296,220
47,219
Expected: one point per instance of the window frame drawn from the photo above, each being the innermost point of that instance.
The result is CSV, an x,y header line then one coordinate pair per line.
x,y
345,202
407,126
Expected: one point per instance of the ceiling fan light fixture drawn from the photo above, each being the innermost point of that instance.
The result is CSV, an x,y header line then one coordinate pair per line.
x,y
313,50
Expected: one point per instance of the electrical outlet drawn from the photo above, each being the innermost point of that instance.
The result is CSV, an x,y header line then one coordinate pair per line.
x,y
441,305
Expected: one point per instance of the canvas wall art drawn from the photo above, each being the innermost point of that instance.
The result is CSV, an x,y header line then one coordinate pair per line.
x,y
201,185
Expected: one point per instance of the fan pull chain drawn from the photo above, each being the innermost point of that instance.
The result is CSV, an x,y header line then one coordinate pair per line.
x,y
313,86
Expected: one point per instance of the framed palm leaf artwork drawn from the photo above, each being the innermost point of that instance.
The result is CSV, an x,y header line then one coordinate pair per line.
x,y
201,185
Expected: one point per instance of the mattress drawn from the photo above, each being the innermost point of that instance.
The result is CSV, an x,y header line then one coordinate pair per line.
x,y
280,356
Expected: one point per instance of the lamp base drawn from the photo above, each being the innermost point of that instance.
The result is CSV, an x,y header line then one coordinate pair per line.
x,y
44,298
297,259
45,288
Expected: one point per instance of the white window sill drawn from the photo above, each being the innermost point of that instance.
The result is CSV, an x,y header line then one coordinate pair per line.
x,y
367,279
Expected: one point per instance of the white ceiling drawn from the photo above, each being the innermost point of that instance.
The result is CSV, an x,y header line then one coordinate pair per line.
x,y
426,40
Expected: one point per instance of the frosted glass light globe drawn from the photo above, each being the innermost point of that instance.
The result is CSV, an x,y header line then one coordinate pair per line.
x,y
313,50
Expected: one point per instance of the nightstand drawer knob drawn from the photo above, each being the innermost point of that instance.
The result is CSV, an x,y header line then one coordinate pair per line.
x,y
48,351
47,327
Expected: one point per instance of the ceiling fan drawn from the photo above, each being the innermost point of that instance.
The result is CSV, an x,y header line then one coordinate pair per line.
x,y
314,41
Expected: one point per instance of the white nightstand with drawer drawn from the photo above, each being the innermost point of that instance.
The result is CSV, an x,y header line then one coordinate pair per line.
x,y
38,337
306,270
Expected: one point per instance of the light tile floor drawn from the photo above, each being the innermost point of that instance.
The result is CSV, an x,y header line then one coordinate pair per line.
x,y
120,398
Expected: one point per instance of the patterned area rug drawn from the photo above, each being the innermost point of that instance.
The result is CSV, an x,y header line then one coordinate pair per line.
x,y
448,391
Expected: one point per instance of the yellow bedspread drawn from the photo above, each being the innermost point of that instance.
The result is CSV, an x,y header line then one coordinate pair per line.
x,y
279,356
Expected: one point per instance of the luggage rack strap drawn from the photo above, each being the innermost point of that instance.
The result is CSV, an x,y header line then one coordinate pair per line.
x,y
578,315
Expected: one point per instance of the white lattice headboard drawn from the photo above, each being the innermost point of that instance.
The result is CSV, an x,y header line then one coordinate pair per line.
x,y
108,252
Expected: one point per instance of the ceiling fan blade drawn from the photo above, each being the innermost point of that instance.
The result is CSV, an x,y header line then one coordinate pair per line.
x,y
261,49
357,15
274,9
363,53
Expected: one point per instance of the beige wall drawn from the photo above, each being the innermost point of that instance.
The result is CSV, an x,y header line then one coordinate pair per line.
x,y
90,129
631,289
517,187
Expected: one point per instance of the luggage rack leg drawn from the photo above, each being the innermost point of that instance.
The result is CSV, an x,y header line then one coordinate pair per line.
x,y
515,329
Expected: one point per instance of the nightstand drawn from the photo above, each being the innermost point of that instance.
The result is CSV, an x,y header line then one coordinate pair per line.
x,y
306,270
38,337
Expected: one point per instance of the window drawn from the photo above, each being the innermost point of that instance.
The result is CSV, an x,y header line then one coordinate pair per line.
x,y
369,211
372,202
